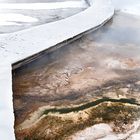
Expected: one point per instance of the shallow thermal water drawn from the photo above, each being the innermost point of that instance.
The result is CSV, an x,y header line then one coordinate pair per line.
x,y
104,64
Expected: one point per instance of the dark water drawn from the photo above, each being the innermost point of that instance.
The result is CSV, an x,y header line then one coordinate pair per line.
x,y
91,104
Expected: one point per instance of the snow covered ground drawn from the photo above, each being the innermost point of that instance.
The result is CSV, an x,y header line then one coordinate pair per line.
x,y
32,1
16,20
127,6
105,132
11,19
39,6
19,16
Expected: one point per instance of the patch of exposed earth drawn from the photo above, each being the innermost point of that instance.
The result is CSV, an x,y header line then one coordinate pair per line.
x,y
92,81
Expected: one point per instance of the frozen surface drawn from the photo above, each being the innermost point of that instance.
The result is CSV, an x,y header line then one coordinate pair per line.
x,y
128,6
17,46
29,18
53,33
6,106
36,6
19,16
16,18
104,132
32,1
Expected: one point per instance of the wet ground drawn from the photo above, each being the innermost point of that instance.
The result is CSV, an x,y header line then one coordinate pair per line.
x,y
99,71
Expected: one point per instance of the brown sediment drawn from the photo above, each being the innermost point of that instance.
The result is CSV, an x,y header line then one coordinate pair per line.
x,y
56,126
117,89
99,65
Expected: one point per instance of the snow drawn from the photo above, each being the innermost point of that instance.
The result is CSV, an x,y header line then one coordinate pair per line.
x,y
15,19
104,131
132,10
7,23
6,106
39,6
45,36
93,133
135,137
127,6
22,44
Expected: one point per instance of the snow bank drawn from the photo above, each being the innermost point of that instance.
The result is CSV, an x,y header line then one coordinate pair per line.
x,y
27,42
93,133
6,105
15,19
40,6
105,132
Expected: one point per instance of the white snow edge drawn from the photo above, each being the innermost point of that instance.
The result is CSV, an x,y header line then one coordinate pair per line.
x,y
41,6
22,44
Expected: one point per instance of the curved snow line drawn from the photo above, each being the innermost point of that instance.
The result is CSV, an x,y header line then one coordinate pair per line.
x,y
40,6
20,45
30,41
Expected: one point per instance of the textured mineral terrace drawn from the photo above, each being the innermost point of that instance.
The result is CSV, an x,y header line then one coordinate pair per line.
x,y
88,89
